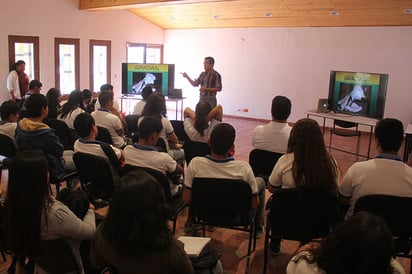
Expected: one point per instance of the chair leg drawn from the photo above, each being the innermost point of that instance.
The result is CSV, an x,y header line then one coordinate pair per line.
x,y
330,139
358,147
265,249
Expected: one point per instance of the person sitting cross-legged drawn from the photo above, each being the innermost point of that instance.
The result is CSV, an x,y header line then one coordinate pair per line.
x,y
145,154
221,164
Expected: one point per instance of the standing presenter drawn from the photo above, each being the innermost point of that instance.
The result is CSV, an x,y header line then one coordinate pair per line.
x,y
210,82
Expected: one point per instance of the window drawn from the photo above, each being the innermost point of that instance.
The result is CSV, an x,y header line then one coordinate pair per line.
x,y
100,59
67,60
144,53
25,48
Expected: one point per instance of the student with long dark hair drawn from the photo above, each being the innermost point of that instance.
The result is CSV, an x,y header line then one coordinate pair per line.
x,y
32,214
73,107
199,124
361,245
306,165
134,237
53,102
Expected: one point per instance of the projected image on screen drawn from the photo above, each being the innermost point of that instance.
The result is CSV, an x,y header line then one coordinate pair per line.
x,y
354,98
143,79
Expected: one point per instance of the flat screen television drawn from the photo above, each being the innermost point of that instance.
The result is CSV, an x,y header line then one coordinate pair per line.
x,y
358,93
137,76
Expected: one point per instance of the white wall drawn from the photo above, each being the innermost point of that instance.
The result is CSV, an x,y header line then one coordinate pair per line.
x,y
51,18
257,64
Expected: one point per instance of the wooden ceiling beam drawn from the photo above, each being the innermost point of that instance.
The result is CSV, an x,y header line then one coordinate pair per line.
x,y
128,4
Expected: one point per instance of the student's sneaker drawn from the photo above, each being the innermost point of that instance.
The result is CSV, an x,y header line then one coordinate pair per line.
x,y
260,231
274,248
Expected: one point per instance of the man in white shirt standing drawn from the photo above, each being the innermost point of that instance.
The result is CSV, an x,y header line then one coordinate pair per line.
x,y
274,136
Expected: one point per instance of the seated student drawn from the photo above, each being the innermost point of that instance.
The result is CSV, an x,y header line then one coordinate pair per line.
x,y
274,135
156,106
87,130
53,101
32,214
72,108
198,125
9,113
106,116
109,88
385,174
34,88
221,164
362,244
144,153
88,100
306,166
32,133
138,240
146,92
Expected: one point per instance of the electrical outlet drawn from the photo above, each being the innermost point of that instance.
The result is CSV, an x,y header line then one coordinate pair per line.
x,y
243,110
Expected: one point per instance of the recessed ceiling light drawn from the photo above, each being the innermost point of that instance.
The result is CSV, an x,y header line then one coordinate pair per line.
x,y
217,16
407,11
334,13
268,14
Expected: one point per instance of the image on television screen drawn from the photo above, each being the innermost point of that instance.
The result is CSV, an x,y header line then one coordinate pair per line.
x,y
354,98
142,79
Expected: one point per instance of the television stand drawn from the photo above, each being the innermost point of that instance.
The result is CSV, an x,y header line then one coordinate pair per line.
x,y
369,122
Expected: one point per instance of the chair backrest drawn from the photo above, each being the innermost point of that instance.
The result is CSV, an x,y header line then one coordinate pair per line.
x,y
96,175
66,136
344,124
390,208
8,147
103,135
161,178
303,215
221,202
193,149
131,122
55,256
179,130
161,145
263,162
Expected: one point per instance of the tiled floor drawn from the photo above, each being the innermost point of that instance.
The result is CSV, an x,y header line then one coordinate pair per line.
x,y
233,244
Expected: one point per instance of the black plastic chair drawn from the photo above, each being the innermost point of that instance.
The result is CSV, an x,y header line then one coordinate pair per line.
x,y
224,203
176,205
56,256
96,175
300,216
131,122
66,135
8,147
179,130
394,210
193,149
345,129
263,162
103,135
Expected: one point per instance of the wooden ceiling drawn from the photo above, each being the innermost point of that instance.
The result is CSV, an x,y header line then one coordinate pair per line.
x,y
193,14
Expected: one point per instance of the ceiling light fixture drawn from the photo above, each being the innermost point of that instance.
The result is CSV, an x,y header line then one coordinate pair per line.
x,y
334,13
407,11
268,14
